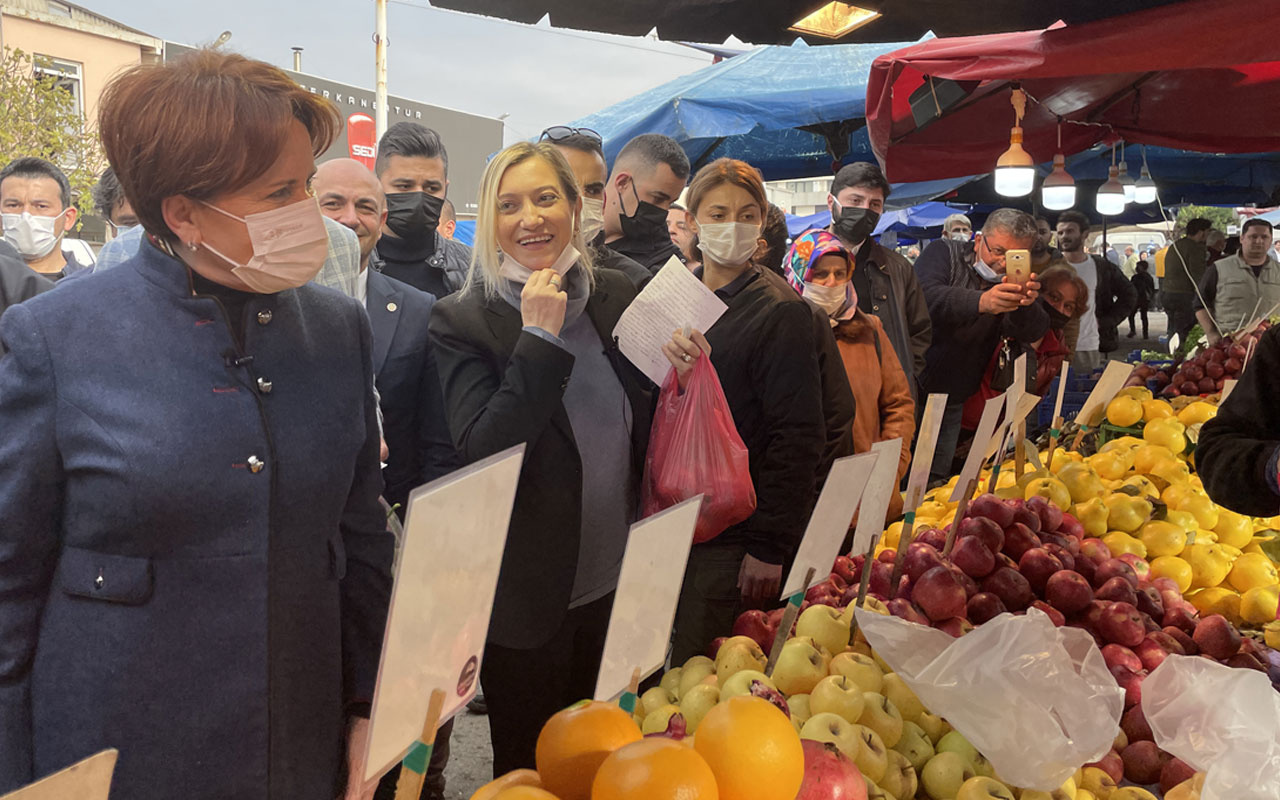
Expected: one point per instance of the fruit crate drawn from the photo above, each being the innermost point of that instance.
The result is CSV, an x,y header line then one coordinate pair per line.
x,y
1072,402
1107,432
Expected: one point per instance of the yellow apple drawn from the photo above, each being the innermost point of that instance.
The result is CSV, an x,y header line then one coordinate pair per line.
x,y
934,727
882,716
943,776
800,667
838,695
896,689
671,680
1097,781
695,705
832,728
872,757
735,655
860,669
692,676
654,699
980,787
1132,793
657,721
954,742
915,745
825,626
899,777
739,683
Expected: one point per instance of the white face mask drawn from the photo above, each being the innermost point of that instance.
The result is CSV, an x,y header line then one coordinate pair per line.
x,y
830,299
514,271
34,237
960,237
290,245
592,218
729,244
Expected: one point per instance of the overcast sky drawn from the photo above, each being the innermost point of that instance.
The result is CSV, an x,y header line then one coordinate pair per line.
x,y
538,75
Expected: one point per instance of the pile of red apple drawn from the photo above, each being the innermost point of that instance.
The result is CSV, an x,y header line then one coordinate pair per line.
x,y
1203,373
1011,555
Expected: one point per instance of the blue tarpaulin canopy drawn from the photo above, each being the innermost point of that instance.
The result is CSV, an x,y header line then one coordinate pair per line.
x,y
789,111
917,222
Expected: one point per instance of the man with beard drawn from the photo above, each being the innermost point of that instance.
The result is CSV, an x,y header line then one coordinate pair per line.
x,y
1184,266
1042,258
413,168
648,176
1113,298
884,281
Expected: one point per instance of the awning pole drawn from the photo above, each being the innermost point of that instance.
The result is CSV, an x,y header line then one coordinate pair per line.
x,y
380,78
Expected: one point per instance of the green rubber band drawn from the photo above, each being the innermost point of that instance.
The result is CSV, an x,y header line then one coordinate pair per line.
x,y
909,518
1055,432
797,599
417,758
628,702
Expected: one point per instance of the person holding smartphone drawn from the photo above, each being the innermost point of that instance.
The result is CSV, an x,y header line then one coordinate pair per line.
x,y
975,307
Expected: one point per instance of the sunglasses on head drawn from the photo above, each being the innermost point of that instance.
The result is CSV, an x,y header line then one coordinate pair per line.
x,y
558,133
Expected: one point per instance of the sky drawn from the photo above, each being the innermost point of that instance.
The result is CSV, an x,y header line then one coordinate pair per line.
x,y
537,75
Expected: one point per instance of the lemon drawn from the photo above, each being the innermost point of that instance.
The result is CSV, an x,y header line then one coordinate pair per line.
x,y
1251,571
1197,413
1163,538
1124,411
1174,568
1119,543
1156,409
1233,529
1218,600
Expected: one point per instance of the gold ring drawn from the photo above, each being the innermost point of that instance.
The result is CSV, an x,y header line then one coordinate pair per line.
x,y
687,358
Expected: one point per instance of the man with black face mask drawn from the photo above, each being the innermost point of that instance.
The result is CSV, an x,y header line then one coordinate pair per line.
x,y
885,283
648,176
413,168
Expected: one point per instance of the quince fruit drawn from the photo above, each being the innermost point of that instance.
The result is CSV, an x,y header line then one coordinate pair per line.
x,y
1093,514
1082,482
1126,513
1163,538
1124,411
1210,564
1172,567
1259,605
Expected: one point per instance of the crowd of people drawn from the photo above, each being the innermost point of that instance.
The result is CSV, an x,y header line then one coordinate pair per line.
x,y
195,562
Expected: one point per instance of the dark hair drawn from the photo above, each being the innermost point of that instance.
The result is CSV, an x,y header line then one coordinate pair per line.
x,y
447,211
1198,225
1142,262
677,207
724,171
107,193
1057,274
32,167
1044,219
1080,220
201,125
654,149
1254,222
581,143
860,174
410,140
1232,246
1018,224
775,237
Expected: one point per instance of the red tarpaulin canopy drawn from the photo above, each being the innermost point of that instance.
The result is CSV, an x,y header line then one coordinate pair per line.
x,y
1202,75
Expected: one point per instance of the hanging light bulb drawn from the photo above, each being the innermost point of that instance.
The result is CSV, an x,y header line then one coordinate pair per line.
x,y
1145,190
1111,194
1058,192
1126,180
1015,174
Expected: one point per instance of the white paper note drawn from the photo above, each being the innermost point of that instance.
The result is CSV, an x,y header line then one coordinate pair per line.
x,y
644,606
830,521
981,441
1012,417
89,779
1111,382
455,533
926,444
669,302
875,498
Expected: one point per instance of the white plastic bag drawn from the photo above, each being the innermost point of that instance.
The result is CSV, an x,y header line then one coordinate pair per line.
x,y
1222,720
1034,699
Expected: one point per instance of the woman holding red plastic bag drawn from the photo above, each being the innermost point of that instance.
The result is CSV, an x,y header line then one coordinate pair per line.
x,y
764,351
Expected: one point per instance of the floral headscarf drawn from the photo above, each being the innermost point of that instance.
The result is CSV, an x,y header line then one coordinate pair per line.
x,y
805,252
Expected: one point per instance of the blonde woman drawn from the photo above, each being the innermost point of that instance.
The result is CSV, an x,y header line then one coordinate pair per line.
x,y
526,355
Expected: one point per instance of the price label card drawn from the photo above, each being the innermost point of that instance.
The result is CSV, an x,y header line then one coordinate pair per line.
x,y
981,441
926,444
644,606
1026,402
89,779
1111,382
876,497
1228,386
455,534
831,517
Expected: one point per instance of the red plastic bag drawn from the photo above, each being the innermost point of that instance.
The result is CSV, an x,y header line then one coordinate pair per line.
x,y
694,448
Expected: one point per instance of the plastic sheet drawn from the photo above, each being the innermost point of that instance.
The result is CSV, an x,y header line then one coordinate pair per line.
x,y
694,448
1219,719
1034,699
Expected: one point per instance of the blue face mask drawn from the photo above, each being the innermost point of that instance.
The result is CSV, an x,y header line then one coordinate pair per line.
x,y
986,272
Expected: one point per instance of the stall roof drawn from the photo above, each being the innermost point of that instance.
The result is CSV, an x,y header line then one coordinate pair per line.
x,y
768,21
942,108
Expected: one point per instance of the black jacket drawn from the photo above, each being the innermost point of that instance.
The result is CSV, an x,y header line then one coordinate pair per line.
x,y
965,338
1113,302
1237,450
18,283
652,255
504,387
764,350
1144,288
608,258
413,418
899,302
438,268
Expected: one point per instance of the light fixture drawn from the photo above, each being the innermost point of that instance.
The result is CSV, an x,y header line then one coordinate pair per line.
x,y
1058,192
1126,180
1111,194
1145,190
835,20
1015,173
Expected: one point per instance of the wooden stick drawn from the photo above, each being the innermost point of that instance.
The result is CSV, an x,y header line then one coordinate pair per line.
x,y
788,619
906,537
960,512
866,571
1054,433
1020,451
413,769
1076,441
997,460
629,698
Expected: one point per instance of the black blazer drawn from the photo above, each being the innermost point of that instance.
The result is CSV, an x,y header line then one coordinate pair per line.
x,y
413,418
502,387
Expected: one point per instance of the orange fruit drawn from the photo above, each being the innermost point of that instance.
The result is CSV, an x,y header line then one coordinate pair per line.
x,y
654,769
576,741
753,750
519,778
524,793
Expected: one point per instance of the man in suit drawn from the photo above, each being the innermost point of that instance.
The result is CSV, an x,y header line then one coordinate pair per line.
x,y
414,424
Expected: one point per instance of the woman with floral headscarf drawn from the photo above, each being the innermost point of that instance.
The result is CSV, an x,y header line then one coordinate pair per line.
x,y
820,268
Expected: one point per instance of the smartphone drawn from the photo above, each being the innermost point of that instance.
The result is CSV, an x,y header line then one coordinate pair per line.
x,y
1017,266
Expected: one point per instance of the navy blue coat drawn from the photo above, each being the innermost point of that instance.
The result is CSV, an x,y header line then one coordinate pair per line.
x,y
413,419
194,567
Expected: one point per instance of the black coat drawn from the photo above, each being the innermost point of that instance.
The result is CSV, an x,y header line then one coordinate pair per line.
x,y
504,387
194,567
413,418
1237,449
18,282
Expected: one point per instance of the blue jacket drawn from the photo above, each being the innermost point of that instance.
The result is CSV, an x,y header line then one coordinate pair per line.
x,y
194,567
413,419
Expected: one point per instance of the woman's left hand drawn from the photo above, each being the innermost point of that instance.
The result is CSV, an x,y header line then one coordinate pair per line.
x,y
759,581
682,351
357,739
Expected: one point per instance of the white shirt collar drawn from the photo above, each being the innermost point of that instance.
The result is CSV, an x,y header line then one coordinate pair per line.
x,y
362,286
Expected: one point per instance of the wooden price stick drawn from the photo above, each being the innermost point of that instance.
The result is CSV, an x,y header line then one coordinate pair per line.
x,y
629,698
866,571
905,538
921,461
413,769
960,512
1054,433
1020,451
1056,430
996,461
788,619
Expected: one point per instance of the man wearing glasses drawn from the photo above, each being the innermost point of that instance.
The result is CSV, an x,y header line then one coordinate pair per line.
x,y
583,148
975,309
